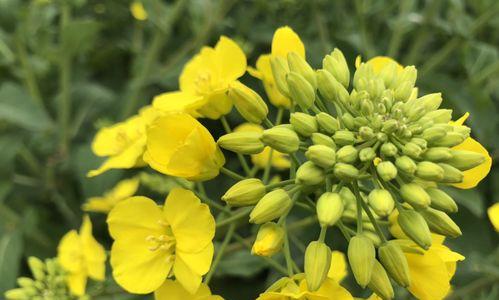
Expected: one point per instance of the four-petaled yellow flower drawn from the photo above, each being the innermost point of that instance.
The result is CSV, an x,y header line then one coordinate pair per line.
x,y
178,145
172,290
123,190
205,80
285,40
493,213
123,143
82,257
152,243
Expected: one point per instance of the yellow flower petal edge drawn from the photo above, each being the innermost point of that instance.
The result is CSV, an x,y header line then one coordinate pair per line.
x,y
124,189
285,40
172,290
338,269
493,213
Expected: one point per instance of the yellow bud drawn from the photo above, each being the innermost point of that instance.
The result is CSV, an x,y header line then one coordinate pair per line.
x,y
248,103
415,227
381,201
327,123
273,205
440,223
269,240
441,201
245,192
429,171
281,139
299,65
380,283
465,160
415,195
344,137
406,165
244,142
361,256
345,171
451,174
317,263
280,70
386,170
309,174
329,208
347,154
322,139
303,124
322,156
300,90
395,263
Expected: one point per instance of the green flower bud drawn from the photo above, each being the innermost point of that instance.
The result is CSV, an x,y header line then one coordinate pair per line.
x,y
273,205
322,139
440,223
309,174
361,256
431,102
415,227
248,103
367,154
316,265
269,240
465,160
441,201
37,267
437,154
336,64
300,90
304,124
345,171
373,236
348,120
329,208
381,201
440,116
366,107
433,134
16,294
25,282
451,139
299,65
344,137
348,197
388,149
366,133
322,156
245,192
281,139
420,142
386,170
244,142
380,283
347,154
415,195
327,85
390,126
412,150
451,174
429,171
406,165
327,123
403,91
395,263
280,70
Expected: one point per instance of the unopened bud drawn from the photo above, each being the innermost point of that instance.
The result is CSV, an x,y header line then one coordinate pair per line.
x,y
327,123
431,102
415,227
433,134
299,65
441,201
366,133
16,294
403,91
336,64
440,223
329,208
345,171
465,160
347,154
327,85
344,137
429,171
440,116
437,154
322,156
367,154
281,139
280,70
388,149
309,174
389,126
348,120
451,174
300,90
316,265
406,165
244,142
269,240
412,150
248,103
381,201
386,170
273,205
304,124
37,267
245,192
322,139
380,282
348,197
415,195
361,256
395,263
451,139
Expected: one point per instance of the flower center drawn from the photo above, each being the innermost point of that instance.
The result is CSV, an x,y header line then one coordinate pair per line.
x,y
204,83
163,242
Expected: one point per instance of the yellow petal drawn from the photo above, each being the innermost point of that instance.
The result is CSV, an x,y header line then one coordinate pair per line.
x,y
179,102
493,213
461,120
125,188
285,40
450,258
189,279
93,252
217,104
338,269
138,11
267,77
473,176
69,253
231,59
330,290
199,262
380,62
77,283
172,290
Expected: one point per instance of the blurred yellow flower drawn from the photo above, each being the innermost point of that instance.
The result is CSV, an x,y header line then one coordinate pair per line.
x,y
279,160
204,81
379,63
493,213
123,143
123,190
82,257
153,243
138,11
338,269
172,290
178,145
285,40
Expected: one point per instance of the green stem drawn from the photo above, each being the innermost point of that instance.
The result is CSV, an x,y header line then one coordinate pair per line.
x,y
396,38
279,184
322,234
231,174
64,105
368,212
268,123
241,213
266,171
280,113
221,250
344,230
287,252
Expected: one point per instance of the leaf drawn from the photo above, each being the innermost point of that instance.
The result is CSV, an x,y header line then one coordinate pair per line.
x,y
11,246
241,263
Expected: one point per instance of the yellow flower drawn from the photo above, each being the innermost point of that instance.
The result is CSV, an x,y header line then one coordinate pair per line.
x,y
472,176
205,80
172,290
279,160
153,243
285,40
493,213
82,257
379,63
296,288
178,145
123,143
338,269
138,11
123,190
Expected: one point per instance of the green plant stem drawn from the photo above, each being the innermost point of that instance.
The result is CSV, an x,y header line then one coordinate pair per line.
x,y
368,212
396,38
280,113
268,123
344,230
64,105
241,158
220,253
322,234
231,174
241,213
287,252
279,184
266,171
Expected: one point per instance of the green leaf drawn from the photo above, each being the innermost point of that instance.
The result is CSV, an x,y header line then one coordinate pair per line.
x,y
11,246
79,36
241,263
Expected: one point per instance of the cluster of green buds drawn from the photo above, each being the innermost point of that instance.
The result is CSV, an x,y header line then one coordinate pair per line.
x,y
49,282
360,152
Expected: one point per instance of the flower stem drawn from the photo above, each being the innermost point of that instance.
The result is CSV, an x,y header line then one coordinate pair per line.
x,y
221,250
241,213
287,252
368,212
279,184
231,174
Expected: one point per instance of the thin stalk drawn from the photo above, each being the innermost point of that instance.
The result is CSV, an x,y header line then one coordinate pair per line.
x,y
322,234
266,171
64,105
368,212
287,252
279,116
241,213
268,123
344,230
231,174
279,184
241,158
221,250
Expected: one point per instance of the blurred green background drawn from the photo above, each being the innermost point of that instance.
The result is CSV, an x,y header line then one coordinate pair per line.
x,y
70,67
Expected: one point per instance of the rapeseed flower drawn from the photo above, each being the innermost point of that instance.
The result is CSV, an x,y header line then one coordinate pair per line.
x,y
172,290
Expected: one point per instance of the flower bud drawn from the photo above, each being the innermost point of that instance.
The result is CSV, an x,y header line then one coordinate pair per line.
x,y
280,70
386,170
347,154
440,115
348,120
395,263
309,174
361,256
441,201
17,294
388,149
269,240
367,154
299,65
433,134
380,283
406,165
437,154
245,192
465,160
327,85
244,142
431,102
381,201
412,150
389,126
415,195
25,282
345,171
322,156
403,91
304,124
327,123
440,223
273,205
451,174
300,90
451,139
317,264
344,137
348,197
415,227
37,267
329,208
248,103
336,64
322,139
429,171
366,133
281,139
